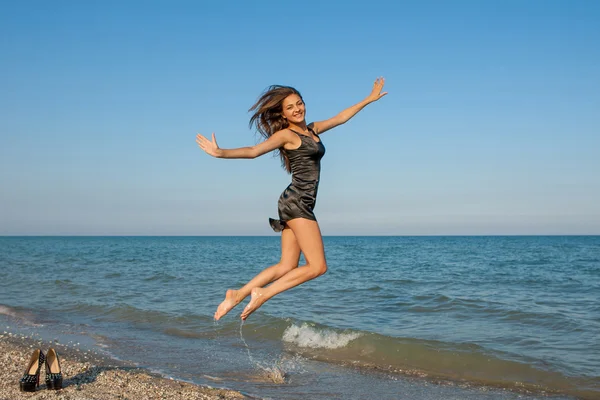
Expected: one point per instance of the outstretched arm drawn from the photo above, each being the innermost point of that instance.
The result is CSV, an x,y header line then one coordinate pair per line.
x,y
322,126
277,140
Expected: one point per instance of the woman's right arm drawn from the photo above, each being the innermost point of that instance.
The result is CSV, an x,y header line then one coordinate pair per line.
x,y
275,141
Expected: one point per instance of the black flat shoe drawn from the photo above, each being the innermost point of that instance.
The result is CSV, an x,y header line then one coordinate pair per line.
x,y
31,377
54,378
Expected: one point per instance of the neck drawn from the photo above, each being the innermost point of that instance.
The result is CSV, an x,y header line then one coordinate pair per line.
x,y
301,126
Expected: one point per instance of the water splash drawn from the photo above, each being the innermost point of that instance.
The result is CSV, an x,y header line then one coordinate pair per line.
x,y
248,347
274,374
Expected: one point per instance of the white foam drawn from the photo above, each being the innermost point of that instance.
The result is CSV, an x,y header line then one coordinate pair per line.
x,y
308,336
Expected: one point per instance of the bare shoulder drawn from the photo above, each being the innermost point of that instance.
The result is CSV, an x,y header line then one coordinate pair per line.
x,y
284,133
313,127
290,139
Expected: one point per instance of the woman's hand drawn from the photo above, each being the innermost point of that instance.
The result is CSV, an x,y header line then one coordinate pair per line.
x,y
210,147
376,92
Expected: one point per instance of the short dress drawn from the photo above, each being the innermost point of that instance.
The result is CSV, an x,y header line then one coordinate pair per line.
x,y
299,198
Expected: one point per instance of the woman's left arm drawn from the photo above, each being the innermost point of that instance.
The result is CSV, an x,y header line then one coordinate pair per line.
x,y
343,117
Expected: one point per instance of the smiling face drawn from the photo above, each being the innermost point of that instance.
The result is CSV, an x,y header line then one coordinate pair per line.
x,y
293,109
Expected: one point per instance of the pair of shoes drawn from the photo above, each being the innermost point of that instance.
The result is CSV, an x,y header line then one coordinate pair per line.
x,y
31,377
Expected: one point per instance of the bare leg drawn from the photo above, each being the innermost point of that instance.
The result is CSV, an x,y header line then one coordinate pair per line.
x,y
290,254
310,241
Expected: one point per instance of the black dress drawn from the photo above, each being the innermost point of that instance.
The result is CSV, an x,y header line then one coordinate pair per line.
x,y
299,198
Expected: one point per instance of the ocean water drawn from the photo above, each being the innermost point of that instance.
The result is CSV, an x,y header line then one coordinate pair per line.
x,y
393,318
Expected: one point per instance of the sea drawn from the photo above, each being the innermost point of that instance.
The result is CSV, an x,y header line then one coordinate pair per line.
x,y
424,317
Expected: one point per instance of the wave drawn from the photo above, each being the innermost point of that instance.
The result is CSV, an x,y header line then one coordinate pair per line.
x,y
21,316
11,312
161,277
130,314
308,336
466,363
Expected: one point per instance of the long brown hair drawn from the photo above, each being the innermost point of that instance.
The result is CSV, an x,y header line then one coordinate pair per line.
x,y
268,115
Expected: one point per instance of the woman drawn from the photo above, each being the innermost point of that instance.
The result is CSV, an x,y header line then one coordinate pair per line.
x,y
279,116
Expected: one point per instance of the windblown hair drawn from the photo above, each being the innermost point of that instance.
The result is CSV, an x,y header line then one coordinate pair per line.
x,y
268,115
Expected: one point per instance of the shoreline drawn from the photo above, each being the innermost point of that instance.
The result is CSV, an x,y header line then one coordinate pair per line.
x,y
89,375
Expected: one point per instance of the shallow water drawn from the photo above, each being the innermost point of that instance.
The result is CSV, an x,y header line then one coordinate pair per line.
x,y
431,317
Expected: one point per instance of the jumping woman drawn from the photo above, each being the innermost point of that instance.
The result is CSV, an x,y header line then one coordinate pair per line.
x,y
279,116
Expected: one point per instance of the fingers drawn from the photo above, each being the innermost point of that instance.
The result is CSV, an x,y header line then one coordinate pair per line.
x,y
209,147
201,138
376,93
378,86
203,142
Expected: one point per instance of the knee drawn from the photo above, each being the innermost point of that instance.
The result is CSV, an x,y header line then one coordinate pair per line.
x,y
284,268
319,268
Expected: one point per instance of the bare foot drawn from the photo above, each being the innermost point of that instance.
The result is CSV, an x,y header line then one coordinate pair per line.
x,y
257,299
227,304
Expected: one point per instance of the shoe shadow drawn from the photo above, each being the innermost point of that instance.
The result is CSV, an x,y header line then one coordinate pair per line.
x,y
90,375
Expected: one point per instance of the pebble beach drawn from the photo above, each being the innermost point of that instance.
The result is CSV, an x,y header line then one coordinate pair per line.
x,y
88,375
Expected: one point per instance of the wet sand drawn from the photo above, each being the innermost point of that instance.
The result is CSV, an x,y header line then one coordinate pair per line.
x,y
89,375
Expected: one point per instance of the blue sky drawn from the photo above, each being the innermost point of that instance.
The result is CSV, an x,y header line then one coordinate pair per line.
x,y
491,125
